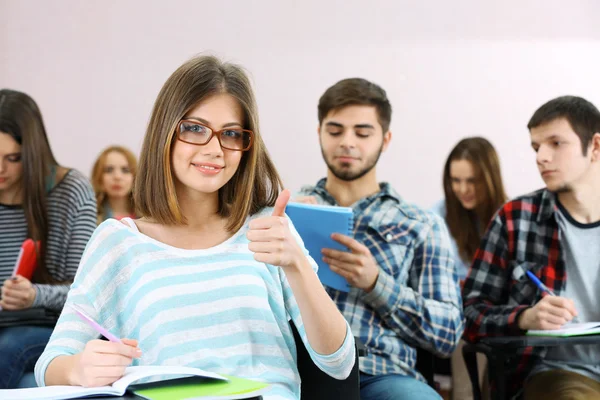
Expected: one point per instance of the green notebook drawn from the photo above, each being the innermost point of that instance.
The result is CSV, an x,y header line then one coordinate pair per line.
x,y
234,388
588,328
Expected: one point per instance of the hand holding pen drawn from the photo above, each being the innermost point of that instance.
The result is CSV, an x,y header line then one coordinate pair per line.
x,y
102,362
552,312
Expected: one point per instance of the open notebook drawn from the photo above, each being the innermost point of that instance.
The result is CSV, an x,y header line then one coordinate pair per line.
x,y
230,387
589,328
315,224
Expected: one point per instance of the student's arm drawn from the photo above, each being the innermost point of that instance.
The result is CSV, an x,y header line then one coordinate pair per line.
x,y
73,355
80,228
428,313
323,330
322,327
486,288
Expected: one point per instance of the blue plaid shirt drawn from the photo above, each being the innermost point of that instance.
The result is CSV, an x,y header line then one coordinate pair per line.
x,y
416,301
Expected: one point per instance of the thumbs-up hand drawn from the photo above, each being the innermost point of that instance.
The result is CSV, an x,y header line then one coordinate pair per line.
x,y
271,239
281,203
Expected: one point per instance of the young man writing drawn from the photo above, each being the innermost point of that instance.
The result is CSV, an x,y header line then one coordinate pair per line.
x,y
555,234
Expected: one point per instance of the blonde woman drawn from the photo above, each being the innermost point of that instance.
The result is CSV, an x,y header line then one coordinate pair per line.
x,y
112,177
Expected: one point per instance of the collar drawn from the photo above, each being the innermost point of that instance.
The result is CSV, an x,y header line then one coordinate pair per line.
x,y
547,206
386,191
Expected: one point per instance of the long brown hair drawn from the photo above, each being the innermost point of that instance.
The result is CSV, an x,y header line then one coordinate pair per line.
x,y
256,183
466,226
21,118
98,173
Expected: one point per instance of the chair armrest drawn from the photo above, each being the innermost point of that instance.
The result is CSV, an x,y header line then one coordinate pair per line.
x,y
360,347
516,342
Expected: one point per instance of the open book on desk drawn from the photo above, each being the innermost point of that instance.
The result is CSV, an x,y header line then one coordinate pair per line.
x,y
315,223
588,328
136,374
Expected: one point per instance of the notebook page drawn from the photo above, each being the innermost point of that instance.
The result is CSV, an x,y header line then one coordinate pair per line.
x,y
54,392
569,330
134,374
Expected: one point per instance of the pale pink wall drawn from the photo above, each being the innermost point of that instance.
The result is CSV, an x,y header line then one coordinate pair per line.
x,y
450,68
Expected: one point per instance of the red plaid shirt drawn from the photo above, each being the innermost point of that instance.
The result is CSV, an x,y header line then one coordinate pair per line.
x,y
523,236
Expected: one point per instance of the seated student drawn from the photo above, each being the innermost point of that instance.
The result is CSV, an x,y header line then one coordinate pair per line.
x,y
211,275
112,177
405,293
42,200
554,233
473,192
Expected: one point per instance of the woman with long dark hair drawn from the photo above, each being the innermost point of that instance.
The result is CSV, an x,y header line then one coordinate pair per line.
x,y
473,190
51,204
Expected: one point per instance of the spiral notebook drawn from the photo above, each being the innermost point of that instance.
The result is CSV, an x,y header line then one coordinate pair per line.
x,y
315,224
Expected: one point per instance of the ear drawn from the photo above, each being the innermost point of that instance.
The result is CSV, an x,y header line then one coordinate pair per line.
x,y
595,147
319,129
387,138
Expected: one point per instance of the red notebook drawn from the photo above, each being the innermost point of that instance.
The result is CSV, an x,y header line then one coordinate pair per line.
x,y
27,260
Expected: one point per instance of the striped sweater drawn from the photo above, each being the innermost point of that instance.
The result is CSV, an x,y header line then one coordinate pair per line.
x,y
217,309
71,220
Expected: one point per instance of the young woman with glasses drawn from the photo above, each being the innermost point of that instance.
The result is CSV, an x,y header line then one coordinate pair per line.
x,y
213,272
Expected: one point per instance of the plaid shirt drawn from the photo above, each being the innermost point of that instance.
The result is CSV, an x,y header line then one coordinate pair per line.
x,y
416,301
523,236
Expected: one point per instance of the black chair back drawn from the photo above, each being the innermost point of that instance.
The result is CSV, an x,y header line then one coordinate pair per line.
x,y
316,384
426,365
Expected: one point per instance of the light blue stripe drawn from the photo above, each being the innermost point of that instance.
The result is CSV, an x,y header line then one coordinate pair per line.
x,y
233,340
212,320
187,300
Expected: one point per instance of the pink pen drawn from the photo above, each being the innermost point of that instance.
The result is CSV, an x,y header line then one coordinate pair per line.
x,y
95,325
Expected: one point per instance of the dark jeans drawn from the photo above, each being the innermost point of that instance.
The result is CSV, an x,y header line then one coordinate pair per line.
x,y
20,347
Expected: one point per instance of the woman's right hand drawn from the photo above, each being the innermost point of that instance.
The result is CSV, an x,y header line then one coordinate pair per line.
x,y
101,362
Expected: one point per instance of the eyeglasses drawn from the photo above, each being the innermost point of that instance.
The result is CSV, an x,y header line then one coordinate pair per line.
x,y
193,132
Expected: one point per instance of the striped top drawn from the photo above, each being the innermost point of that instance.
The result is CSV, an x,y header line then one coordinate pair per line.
x,y
216,309
71,221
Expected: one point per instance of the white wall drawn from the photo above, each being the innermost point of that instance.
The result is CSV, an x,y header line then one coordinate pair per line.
x,y
451,69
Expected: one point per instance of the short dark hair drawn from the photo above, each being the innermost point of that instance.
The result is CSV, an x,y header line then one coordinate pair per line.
x,y
356,91
582,115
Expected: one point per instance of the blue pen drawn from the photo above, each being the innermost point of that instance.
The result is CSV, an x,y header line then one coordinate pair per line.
x,y
544,288
539,283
